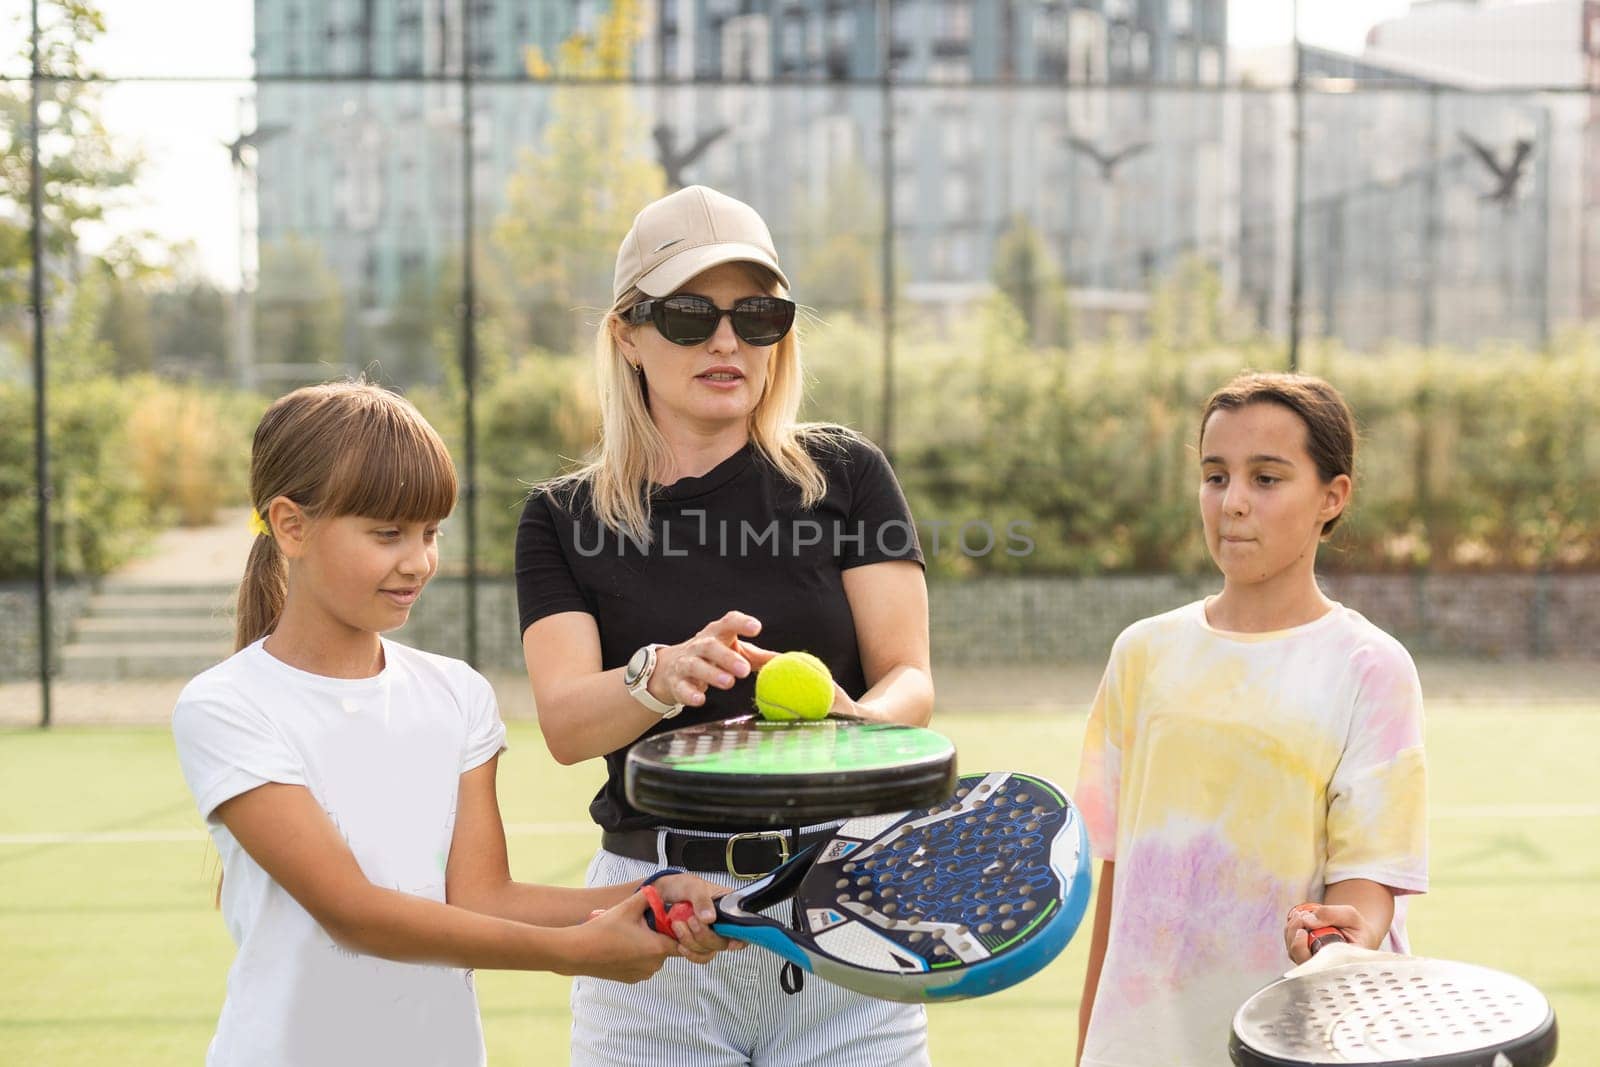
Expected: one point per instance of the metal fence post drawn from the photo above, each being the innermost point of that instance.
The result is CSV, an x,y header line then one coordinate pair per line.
x,y
886,98
1297,236
41,427
469,337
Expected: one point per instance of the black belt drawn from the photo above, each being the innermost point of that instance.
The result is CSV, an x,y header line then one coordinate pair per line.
x,y
743,855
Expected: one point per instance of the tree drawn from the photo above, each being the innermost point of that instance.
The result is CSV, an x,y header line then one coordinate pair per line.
x,y
568,204
83,174
1025,272
81,170
1186,306
844,272
125,326
299,309
192,321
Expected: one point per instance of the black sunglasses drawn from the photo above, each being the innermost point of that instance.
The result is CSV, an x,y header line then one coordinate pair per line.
x,y
687,319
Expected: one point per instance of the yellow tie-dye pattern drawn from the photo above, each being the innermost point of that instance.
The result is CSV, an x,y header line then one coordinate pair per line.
x,y
1364,833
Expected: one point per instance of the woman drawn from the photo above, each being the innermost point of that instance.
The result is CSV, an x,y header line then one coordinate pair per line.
x,y
709,518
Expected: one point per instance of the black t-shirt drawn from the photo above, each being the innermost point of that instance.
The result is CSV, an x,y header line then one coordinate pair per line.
x,y
735,538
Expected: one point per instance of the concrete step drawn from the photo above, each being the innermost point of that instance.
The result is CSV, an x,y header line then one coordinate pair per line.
x,y
198,605
151,629
112,663
146,587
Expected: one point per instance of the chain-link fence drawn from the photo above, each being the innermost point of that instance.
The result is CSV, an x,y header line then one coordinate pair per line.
x,y
1030,238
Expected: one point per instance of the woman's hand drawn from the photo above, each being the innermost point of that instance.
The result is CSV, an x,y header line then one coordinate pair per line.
x,y
710,658
843,704
695,937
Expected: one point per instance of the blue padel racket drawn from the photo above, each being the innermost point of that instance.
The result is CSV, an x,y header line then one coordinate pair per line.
x,y
956,900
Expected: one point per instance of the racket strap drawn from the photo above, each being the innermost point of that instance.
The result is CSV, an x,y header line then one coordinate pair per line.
x,y
790,977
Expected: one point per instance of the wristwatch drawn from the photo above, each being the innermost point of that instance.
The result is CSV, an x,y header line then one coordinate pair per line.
x,y
636,676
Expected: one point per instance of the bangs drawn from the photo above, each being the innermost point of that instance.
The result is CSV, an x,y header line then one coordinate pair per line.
x,y
391,465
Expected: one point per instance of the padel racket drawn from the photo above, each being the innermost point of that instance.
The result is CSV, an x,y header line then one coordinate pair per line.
x,y
958,900
1353,1005
749,772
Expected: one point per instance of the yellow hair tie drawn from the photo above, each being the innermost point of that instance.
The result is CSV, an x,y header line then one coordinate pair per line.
x,y
258,525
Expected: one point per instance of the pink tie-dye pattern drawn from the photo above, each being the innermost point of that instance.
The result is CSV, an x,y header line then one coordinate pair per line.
x,y
1222,913
1388,693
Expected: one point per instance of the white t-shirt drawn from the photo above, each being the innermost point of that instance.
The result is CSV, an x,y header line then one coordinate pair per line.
x,y
1232,776
384,757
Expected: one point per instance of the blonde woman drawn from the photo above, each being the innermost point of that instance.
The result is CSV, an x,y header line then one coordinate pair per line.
x,y
710,519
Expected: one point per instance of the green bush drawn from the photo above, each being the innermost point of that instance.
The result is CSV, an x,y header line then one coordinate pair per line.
x,y
536,419
1468,461
1482,460
189,447
127,457
99,518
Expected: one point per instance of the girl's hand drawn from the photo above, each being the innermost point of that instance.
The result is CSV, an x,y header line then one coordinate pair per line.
x,y
710,658
1303,918
695,937
619,945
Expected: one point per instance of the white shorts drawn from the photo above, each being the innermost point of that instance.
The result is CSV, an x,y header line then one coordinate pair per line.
x,y
732,1012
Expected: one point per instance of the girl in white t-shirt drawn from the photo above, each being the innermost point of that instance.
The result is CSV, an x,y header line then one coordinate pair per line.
x,y
1247,753
349,782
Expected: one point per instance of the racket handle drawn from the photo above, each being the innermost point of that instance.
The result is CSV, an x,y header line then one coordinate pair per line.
x,y
1323,935
659,917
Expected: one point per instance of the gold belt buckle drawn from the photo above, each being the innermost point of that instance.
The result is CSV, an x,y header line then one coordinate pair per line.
x,y
781,836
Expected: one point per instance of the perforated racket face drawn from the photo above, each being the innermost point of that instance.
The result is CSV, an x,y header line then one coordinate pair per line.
x,y
758,747
1412,1011
751,771
997,870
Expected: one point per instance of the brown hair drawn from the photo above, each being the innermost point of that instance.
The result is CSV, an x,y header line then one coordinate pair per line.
x,y
341,448
1330,425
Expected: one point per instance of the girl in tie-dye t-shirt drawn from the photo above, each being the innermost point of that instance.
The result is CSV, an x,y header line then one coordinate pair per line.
x,y
1247,753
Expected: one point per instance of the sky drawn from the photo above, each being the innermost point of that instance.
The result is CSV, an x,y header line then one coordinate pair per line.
x,y
188,192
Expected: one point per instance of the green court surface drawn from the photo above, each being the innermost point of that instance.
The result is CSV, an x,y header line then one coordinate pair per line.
x,y
111,950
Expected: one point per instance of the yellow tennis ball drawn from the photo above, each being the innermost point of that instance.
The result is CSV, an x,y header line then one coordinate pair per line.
x,y
794,685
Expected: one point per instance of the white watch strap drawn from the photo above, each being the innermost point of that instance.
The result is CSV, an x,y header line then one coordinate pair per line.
x,y
641,690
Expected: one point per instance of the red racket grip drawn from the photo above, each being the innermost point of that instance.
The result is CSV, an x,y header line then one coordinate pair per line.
x,y
1323,935
660,917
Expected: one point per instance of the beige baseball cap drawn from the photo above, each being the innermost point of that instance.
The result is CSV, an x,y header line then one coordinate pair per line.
x,y
686,232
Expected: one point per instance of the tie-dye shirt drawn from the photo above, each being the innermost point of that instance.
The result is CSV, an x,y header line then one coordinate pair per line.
x,y
1231,776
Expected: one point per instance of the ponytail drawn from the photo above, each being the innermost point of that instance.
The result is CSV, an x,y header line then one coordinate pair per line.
x,y
261,592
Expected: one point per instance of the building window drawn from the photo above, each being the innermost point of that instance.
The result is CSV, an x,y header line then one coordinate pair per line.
x,y
955,197
961,262
1087,34
953,20
793,46
1180,15
1182,62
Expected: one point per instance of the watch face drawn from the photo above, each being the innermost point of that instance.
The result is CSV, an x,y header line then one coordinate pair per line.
x,y
635,667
